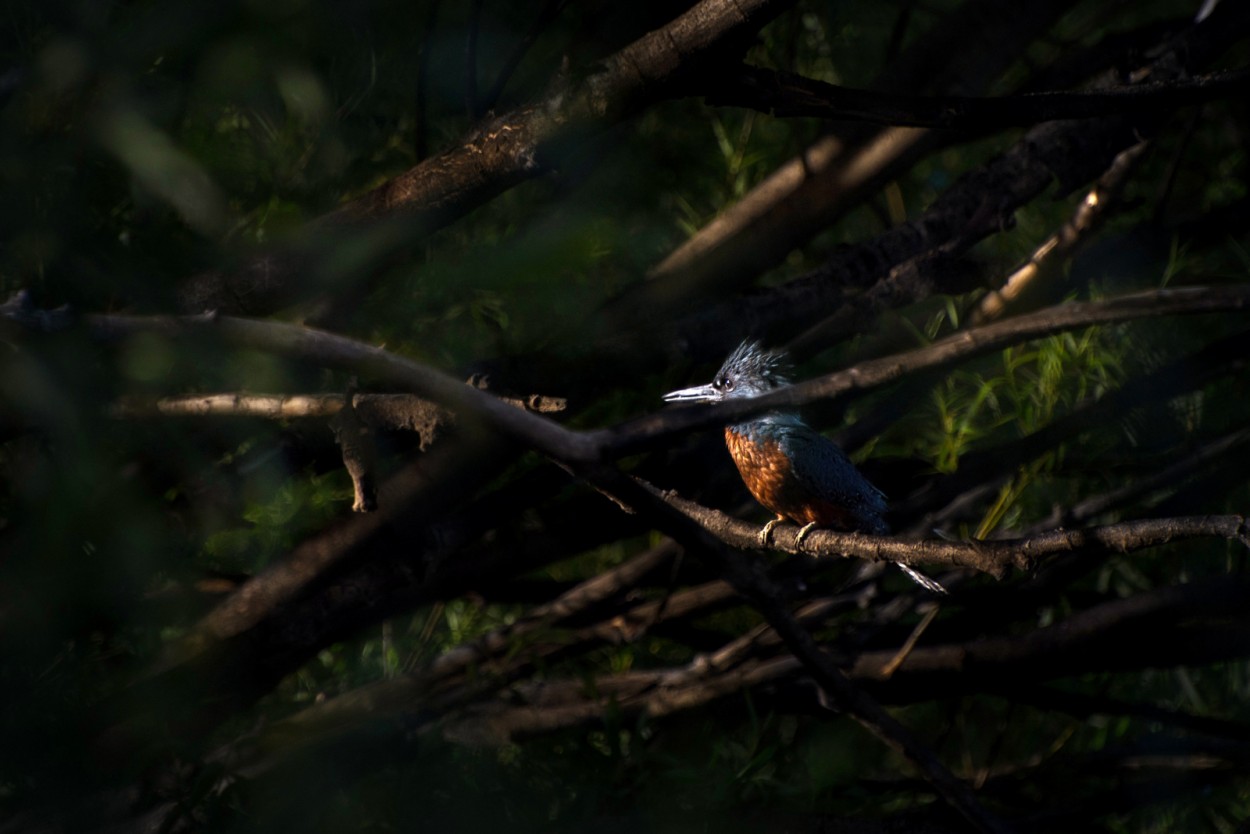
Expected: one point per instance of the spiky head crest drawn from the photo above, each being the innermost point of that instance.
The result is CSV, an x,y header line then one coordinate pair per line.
x,y
750,371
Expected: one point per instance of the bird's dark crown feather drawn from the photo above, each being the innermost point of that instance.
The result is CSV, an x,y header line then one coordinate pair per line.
x,y
753,367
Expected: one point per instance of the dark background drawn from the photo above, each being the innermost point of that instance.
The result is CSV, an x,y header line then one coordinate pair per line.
x,y
347,166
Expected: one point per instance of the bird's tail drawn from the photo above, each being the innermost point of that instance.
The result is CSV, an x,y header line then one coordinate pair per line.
x,y
922,580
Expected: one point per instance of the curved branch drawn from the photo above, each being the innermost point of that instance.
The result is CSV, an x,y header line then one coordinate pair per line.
x,y
569,446
332,351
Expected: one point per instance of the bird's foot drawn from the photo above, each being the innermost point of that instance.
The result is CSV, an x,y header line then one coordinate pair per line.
x,y
802,534
767,531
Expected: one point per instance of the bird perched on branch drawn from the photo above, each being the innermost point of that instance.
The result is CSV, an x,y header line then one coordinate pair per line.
x,y
788,466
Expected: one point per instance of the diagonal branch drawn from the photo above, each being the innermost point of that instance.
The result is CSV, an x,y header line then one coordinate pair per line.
x,y
641,433
981,203
839,170
501,151
410,499
747,577
1048,258
1106,635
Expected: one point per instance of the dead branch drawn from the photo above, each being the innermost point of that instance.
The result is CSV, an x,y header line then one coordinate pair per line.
x,y
635,435
994,557
398,412
369,362
1072,153
788,94
376,412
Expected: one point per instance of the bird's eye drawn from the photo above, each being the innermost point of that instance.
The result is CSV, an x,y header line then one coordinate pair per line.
x,y
727,384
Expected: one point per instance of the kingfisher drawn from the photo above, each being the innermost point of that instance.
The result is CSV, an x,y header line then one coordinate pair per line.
x,y
790,468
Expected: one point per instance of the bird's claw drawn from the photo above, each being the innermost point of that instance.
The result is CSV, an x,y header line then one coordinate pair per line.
x,y
767,531
802,534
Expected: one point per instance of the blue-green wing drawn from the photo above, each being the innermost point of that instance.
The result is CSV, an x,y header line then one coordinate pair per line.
x,y
824,468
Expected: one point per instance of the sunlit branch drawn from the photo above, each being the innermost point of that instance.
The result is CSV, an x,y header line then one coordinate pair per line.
x,y
994,557
570,446
1057,249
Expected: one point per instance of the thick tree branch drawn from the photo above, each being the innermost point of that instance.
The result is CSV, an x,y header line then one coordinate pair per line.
x,y
981,203
787,94
810,191
502,151
391,411
874,373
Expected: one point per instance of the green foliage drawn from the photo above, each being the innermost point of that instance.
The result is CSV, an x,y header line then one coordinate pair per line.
x,y
277,520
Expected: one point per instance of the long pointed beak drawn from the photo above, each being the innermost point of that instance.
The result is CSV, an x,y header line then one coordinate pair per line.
x,y
697,394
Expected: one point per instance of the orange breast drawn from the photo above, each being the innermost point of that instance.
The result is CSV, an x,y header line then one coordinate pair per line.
x,y
767,472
